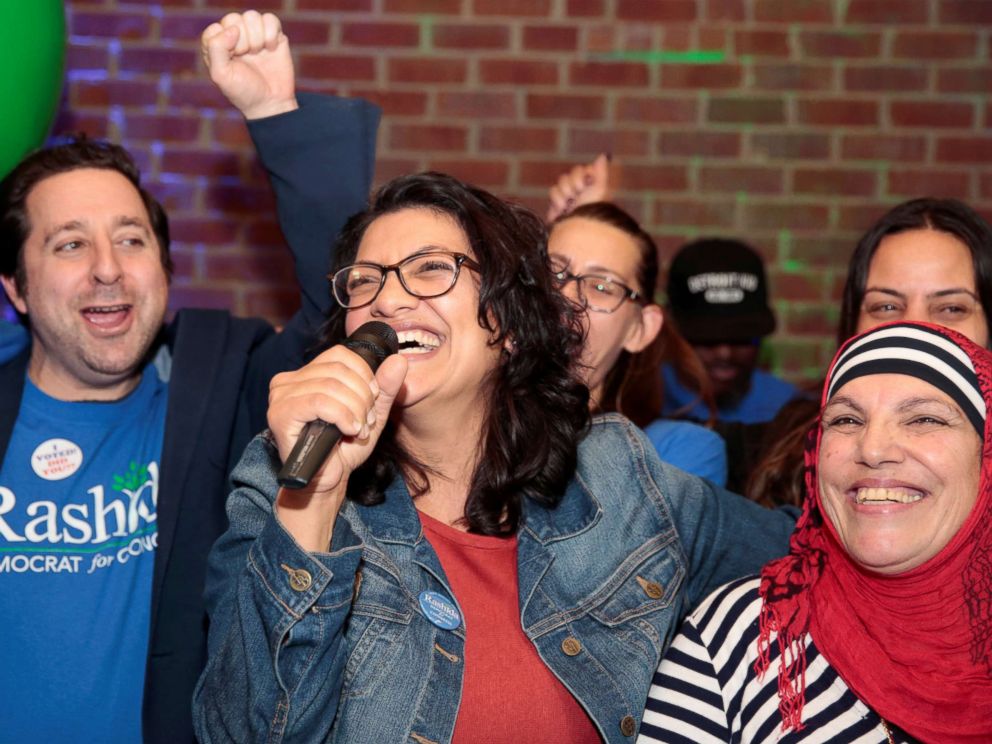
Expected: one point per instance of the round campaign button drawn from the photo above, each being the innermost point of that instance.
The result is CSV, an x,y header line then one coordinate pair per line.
x,y
56,459
440,610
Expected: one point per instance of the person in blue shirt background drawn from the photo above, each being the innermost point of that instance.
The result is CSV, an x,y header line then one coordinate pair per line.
x,y
718,297
13,338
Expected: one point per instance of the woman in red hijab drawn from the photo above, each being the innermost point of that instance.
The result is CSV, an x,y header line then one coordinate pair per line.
x,y
877,627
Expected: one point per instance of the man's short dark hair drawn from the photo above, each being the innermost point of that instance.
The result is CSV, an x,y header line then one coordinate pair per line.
x,y
80,152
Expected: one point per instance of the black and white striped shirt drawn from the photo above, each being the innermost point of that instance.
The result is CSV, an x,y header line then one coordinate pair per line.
x,y
706,689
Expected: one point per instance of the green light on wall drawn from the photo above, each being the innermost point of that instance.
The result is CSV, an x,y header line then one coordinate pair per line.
x,y
696,57
426,32
785,242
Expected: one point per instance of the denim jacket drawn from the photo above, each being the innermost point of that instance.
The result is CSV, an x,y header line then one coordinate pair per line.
x,y
315,647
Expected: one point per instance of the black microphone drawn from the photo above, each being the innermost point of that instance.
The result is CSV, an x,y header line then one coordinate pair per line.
x,y
373,342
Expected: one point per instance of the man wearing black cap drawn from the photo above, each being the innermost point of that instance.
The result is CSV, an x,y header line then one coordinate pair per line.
x,y
718,297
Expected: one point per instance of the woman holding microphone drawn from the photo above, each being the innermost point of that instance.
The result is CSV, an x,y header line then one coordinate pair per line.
x,y
475,561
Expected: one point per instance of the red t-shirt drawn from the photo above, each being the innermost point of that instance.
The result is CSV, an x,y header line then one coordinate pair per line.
x,y
508,694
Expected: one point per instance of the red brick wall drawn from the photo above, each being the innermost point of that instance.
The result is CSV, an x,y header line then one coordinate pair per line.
x,y
791,123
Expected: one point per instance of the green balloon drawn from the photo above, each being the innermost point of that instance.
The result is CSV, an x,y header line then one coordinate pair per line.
x,y
32,58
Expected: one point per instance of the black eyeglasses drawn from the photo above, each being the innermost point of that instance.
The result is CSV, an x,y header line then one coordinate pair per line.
x,y
597,293
423,275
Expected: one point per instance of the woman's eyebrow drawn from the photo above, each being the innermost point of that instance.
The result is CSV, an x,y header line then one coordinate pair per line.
x,y
953,291
912,403
843,400
886,291
939,293
431,248
603,269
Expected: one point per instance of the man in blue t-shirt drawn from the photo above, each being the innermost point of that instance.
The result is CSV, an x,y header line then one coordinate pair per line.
x,y
718,297
117,430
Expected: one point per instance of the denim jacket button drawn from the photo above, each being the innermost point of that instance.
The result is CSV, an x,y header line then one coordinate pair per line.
x,y
628,726
299,578
652,588
571,646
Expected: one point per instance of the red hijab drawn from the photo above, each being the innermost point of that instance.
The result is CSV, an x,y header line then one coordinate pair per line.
x,y
916,647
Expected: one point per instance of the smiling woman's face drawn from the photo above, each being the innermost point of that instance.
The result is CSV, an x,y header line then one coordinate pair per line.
x,y
449,353
899,468
923,275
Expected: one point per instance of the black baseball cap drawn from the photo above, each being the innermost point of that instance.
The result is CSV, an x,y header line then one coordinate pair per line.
x,y
718,292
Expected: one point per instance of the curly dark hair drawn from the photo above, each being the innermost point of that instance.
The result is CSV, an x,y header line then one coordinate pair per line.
x,y
945,215
76,153
537,407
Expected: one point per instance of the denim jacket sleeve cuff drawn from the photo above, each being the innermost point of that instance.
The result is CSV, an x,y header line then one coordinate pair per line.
x,y
296,579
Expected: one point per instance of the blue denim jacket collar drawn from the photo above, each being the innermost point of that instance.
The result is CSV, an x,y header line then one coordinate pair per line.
x,y
576,513
396,521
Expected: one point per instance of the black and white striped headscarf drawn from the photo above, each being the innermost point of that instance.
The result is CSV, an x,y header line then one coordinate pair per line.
x,y
915,350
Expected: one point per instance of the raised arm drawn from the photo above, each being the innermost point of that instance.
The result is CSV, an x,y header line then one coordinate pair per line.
x,y
581,184
280,580
319,151
249,60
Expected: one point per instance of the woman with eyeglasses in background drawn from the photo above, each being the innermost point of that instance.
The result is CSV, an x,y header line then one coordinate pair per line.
x,y
606,262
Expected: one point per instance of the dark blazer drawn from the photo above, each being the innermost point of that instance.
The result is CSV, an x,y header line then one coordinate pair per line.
x,y
320,161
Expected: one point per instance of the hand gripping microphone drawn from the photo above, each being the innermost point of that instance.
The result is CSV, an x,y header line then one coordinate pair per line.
x,y
373,342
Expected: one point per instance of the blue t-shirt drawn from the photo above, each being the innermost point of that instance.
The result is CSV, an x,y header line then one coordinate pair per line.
x,y
78,496
767,394
13,338
693,448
